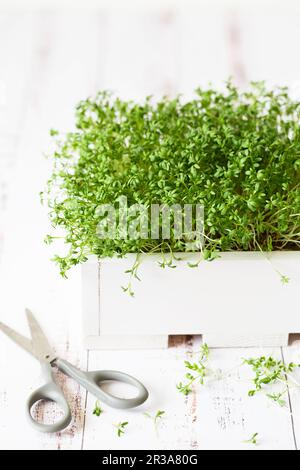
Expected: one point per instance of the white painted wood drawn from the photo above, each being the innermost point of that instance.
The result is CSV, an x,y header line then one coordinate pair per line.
x,y
232,340
16,41
27,276
126,342
90,295
15,432
226,416
214,299
292,354
217,416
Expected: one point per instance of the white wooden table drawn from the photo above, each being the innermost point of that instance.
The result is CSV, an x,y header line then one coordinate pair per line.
x,y
48,62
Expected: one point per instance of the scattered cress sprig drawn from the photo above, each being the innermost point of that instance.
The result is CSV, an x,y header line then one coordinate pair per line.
x,y
121,428
199,370
269,372
158,416
97,409
253,439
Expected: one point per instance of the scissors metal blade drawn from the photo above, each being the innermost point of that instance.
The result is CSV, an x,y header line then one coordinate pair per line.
x,y
40,344
19,339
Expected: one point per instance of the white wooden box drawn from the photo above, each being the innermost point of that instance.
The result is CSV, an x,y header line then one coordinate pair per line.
x,y
235,300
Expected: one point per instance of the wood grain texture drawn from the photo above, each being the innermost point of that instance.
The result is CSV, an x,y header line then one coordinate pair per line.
x,y
292,354
48,61
12,95
217,415
50,98
175,309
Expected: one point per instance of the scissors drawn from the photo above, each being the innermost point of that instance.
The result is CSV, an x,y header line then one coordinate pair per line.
x,y
39,347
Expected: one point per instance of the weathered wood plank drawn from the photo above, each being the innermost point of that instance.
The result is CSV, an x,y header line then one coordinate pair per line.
x,y
15,432
228,416
158,371
218,415
292,354
219,317
16,51
59,55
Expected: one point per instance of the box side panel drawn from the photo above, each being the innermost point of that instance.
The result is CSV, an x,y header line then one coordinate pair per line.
x,y
90,298
239,292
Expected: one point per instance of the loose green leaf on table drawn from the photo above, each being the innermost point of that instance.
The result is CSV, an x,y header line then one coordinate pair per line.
x,y
155,418
269,372
97,410
120,427
199,371
253,439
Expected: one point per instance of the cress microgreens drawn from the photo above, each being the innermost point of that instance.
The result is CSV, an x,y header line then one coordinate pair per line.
x,y
236,153
120,427
97,410
284,279
158,416
269,371
199,369
253,439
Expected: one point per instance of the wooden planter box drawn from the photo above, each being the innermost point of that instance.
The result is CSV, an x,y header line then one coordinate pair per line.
x,y
236,300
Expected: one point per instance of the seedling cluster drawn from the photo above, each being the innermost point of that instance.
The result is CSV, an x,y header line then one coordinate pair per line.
x,y
236,153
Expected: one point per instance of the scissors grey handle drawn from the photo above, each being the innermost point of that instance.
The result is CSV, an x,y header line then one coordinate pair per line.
x,y
49,392
91,381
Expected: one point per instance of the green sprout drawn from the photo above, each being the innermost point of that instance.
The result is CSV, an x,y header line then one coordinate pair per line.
x,y
253,439
199,371
120,427
97,410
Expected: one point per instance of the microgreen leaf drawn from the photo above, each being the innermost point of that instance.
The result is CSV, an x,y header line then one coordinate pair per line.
x,y
155,418
120,427
253,439
277,398
284,279
97,410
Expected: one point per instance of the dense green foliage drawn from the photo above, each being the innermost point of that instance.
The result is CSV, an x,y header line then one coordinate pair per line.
x,y
237,153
